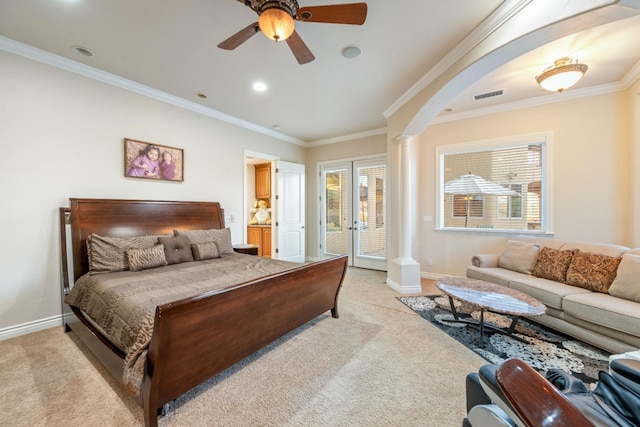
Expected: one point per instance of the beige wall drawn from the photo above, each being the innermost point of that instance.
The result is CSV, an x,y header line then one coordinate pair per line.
x,y
589,176
62,136
343,150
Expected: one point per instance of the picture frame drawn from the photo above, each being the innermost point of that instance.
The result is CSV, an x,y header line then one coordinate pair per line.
x,y
148,160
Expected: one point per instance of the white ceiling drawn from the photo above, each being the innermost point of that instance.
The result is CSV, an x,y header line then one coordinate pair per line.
x,y
170,45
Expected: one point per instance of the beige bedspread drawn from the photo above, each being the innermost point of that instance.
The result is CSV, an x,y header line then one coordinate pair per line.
x,y
123,303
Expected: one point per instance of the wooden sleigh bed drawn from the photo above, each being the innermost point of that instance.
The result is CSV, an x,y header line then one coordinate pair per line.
x,y
193,338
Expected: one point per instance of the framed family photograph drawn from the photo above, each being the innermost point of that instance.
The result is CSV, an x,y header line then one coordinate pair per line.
x,y
153,161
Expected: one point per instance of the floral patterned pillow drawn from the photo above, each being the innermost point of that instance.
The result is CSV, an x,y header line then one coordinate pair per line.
x,y
592,271
553,264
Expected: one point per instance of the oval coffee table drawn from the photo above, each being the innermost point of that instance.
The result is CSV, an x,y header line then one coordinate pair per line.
x,y
492,297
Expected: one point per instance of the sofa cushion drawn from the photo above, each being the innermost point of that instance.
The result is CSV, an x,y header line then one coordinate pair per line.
x,y
541,241
553,264
605,310
177,249
519,256
501,276
592,271
596,248
626,285
548,292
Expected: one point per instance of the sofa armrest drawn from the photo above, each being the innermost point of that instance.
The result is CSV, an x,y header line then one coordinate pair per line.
x,y
485,260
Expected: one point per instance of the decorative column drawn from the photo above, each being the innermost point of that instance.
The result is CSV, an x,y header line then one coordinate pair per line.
x,y
403,273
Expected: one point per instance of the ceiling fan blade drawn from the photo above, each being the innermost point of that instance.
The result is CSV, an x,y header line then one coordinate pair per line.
x,y
240,37
350,13
299,49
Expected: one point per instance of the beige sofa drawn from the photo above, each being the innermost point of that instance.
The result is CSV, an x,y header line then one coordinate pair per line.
x,y
603,311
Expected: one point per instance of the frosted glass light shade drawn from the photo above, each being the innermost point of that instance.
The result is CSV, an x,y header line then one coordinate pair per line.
x,y
563,74
276,24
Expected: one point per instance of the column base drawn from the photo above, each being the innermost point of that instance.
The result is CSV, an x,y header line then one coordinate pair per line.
x,y
403,275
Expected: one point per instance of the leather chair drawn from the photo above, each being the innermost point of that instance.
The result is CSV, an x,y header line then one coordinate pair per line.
x,y
514,394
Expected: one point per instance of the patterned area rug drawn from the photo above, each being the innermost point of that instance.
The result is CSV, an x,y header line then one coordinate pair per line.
x,y
546,349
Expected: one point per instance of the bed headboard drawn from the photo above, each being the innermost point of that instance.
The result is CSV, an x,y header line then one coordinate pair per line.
x,y
110,217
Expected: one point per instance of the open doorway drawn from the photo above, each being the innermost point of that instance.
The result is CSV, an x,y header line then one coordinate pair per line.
x,y
275,203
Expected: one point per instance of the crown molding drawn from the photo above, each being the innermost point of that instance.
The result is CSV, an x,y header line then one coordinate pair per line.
x,y
75,67
551,98
493,22
349,137
632,76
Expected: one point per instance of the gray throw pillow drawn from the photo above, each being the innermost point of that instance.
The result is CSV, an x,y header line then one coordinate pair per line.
x,y
202,251
177,249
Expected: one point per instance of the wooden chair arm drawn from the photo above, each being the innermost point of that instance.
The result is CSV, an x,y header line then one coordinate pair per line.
x,y
536,400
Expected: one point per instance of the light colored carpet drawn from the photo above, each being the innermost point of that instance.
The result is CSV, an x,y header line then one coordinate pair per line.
x,y
379,364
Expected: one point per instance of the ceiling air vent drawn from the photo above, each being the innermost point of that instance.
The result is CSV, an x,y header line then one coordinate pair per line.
x,y
488,95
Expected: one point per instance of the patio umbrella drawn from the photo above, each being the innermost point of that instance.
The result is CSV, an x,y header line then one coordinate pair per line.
x,y
474,185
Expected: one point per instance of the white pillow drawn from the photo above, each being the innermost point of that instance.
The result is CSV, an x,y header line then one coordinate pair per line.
x,y
626,285
519,256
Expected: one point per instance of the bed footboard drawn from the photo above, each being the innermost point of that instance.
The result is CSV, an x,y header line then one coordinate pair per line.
x,y
218,329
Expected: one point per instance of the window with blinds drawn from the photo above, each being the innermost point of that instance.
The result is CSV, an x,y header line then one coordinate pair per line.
x,y
494,186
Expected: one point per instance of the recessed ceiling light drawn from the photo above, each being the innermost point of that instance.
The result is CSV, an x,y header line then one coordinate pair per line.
x,y
82,51
202,95
448,110
351,51
259,87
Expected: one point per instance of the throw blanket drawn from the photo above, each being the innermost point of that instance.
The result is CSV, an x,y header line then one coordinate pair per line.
x,y
123,303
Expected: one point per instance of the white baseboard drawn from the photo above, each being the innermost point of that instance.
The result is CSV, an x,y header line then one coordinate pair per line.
x,y
29,327
433,276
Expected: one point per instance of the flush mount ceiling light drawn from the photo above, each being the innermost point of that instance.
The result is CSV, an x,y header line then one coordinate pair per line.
x,y
276,19
564,73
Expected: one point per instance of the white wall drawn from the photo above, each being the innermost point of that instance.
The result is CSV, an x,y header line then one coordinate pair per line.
x,y
62,136
590,175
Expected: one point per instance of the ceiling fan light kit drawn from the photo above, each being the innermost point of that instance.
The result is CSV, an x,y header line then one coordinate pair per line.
x,y
277,22
564,73
276,19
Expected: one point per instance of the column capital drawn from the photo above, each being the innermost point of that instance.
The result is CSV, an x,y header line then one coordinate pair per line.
x,y
404,139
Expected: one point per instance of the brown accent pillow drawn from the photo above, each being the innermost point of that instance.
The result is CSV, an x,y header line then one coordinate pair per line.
x,y
204,251
592,271
141,259
553,264
177,249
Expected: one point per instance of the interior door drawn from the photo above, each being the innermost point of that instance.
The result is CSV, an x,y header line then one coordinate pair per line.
x,y
353,212
290,212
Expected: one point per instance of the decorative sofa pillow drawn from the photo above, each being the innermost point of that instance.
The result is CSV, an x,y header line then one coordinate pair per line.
x,y
553,264
141,259
519,256
177,249
626,285
202,251
592,271
221,237
108,253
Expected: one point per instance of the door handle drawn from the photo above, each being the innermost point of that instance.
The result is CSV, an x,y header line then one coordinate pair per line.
x,y
302,227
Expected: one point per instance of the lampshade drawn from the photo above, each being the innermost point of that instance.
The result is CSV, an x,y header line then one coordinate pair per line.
x,y
276,24
564,73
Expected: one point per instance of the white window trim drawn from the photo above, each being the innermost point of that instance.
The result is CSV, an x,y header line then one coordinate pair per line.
x,y
483,145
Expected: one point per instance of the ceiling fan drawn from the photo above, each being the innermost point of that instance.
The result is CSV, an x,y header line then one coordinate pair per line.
x,y
276,21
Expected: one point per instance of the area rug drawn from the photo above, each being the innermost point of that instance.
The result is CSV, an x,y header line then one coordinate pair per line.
x,y
546,349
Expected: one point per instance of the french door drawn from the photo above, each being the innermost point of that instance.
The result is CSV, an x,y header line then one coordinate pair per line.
x,y
353,212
